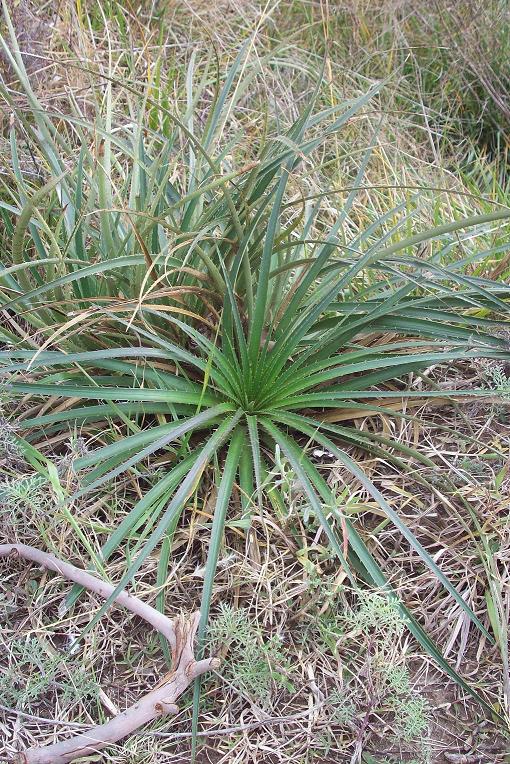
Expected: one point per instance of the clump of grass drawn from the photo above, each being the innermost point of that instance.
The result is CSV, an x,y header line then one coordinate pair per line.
x,y
448,63
138,750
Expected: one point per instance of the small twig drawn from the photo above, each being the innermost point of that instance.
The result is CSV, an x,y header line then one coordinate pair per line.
x,y
41,719
238,728
161,701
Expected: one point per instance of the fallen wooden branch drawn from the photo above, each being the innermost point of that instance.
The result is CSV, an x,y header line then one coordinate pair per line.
x,y
159,702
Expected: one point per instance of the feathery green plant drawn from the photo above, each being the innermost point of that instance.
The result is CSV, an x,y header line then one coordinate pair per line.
x,y
153,283
45,673
253,665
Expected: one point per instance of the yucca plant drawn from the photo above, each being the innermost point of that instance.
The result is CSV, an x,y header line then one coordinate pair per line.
x,y
151,283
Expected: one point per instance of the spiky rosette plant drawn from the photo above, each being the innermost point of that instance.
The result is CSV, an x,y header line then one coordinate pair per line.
x,y
149,283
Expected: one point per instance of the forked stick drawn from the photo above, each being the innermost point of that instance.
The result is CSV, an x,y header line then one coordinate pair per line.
x,y
160,701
